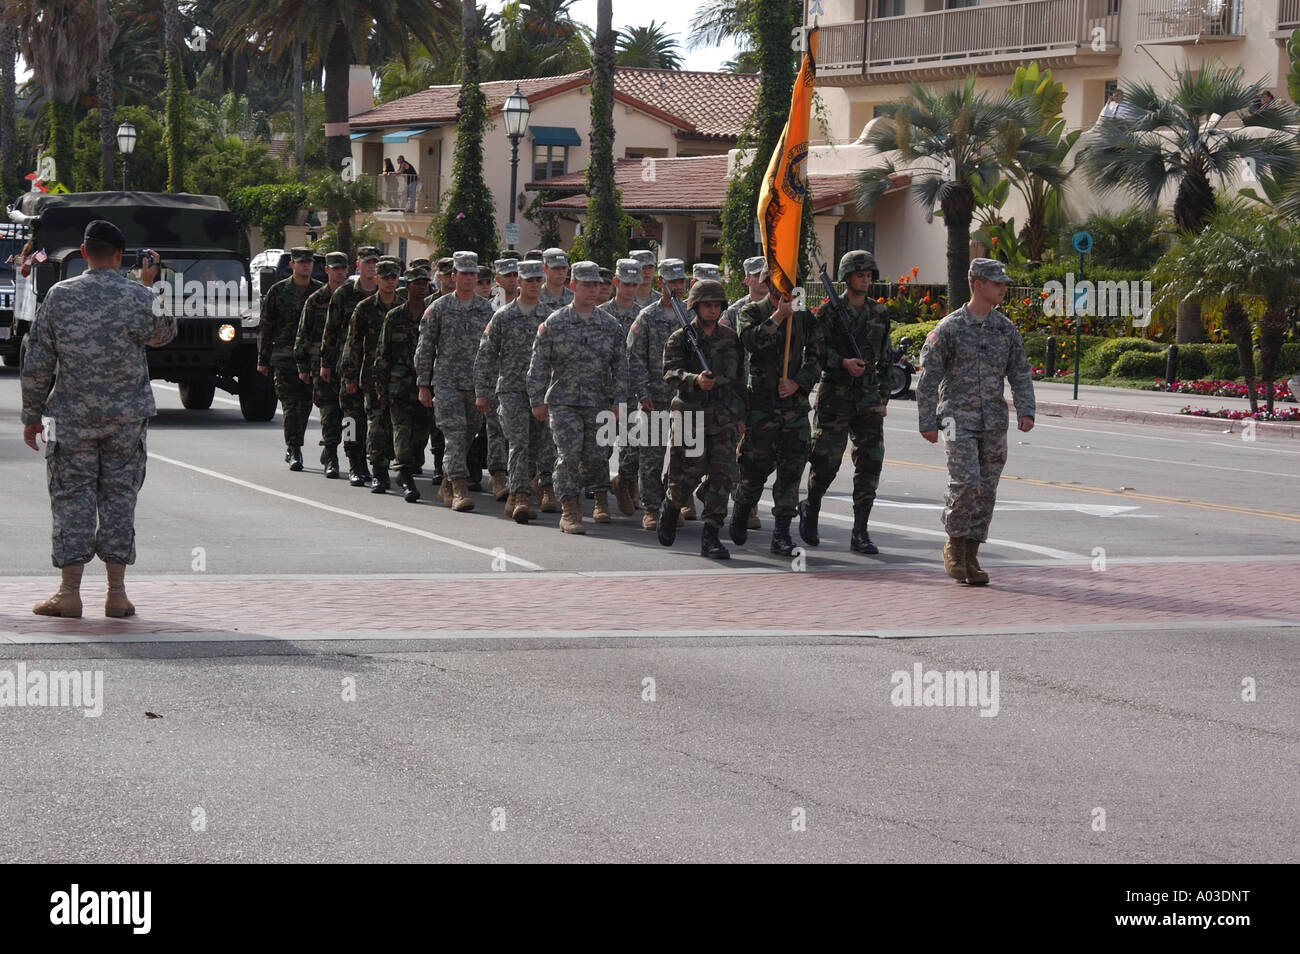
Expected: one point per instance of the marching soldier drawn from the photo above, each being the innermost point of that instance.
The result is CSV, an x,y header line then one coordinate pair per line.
x,y
713,396
649,391
394,380
578,368
507,270
352,406
624,310
703,271
306,355
776,426
851,401
645,294
964,362
446,276
755,279
281,311
483,287
555,293
449,339
357,370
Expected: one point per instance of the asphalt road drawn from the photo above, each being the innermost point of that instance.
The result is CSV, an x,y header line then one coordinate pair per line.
x,y
1139,743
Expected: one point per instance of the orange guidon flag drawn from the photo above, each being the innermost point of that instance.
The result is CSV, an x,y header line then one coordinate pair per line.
x,y
780,200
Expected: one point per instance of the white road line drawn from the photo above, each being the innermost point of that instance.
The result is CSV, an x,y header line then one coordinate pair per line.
x,y
1173,463
388,524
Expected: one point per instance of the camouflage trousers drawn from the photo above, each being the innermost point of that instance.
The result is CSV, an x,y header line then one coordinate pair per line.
x,y
94,473
710,470
775,439
352,410
649,460
459,421
295,399
497,450
408,421
579,460
379,431
325,395
833,425
530,448
975,462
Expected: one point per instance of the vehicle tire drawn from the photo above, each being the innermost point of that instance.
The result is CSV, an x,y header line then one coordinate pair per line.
x,y
11,360
197,391
257,398
899,382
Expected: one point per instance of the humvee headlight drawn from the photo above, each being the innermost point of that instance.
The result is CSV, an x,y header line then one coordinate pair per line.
x,y
226,333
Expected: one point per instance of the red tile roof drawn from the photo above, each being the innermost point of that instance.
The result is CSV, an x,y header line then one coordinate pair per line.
x,y
700,105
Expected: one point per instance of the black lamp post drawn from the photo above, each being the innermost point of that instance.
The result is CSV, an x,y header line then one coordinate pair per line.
x,y
126,143
515,112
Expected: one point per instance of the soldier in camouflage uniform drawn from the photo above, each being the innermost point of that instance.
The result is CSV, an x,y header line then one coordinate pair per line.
x,y
776,429
357,369
306,356
281,312
645,362
623,308
703,271
507,276
445,277
578,369
606,284
449,340
964,362
714,397
394,380
337,319
93,330
851,401
501,373
507,270
755,279
555,293
645,295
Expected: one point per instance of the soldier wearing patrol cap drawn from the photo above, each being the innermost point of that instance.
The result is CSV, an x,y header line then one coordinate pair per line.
x,y
423,264
337,319
623,307
306,353
357,369
281,311
852,400
606,283
703,271
449,339
964,362
394,380
507,273
555,293
483,287
645,295
446,276
755,279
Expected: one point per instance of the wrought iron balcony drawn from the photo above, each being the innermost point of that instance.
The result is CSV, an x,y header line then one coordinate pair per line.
x,y
1189,21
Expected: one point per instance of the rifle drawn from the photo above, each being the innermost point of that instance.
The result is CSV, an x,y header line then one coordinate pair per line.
x,y
691,334
837,306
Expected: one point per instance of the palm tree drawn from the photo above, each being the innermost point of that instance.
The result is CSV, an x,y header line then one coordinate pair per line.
x,y
1177,140
948,142
648,46
606,239
8,109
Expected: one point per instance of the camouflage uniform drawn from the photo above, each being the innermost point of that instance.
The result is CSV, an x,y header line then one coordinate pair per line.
x,y
578,369
550,303
357,368
93,330
449,338
394,383
776,429
277,328
645,363
960,393
628,459
343,303
501,372
306,355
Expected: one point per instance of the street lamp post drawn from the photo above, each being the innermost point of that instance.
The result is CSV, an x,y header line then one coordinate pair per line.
x,y
126,143
515,112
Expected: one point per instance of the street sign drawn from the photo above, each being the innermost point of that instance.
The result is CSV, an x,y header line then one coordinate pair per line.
x,y
512,233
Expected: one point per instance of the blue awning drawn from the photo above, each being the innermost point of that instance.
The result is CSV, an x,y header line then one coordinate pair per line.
x,y
403,135
361,135
555,136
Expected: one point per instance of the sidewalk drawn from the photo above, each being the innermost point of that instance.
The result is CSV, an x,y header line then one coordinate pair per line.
x,y
1131,406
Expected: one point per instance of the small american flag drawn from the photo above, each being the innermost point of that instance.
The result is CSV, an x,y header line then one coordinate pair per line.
x,y
40,256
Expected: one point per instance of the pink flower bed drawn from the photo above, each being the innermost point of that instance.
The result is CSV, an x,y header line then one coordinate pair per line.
x,y
1286,414
1281,392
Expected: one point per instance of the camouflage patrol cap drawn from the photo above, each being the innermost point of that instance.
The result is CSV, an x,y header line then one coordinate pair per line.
x,y
413,275
388,269
671,269
643,256
628,271
703,271
755,265
706,289
606,276
336,260
530,268
421,263
507,266
859,260
586,272
446,265
367,253
465,261
533,254
990,269
393,258
555,258
485,273
301,254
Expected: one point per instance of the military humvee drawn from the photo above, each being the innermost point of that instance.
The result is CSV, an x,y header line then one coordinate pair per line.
x,y
204,283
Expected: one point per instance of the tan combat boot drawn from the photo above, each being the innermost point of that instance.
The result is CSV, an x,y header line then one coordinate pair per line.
x,y
460,499
500,485
444,491
512,500
571,519
549,503
753,523
523,512
600,512
623,494
688,512
974,575
67,601
116,604
650,520
954,558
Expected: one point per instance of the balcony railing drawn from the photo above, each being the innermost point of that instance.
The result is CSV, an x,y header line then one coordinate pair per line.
x,y
1288,14
393,195
1174,21
971,35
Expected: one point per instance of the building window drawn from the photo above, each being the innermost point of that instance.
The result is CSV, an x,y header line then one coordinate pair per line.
x,y
890,8
958,4
852,236
1112,86
550,161
401,249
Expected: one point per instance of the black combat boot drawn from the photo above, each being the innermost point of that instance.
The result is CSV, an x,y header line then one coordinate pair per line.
x,y
809,510
668,515
406,480
739,528
358,472
380,484
710,546
860,541
439,445
781,542
293,457
475,480
329,457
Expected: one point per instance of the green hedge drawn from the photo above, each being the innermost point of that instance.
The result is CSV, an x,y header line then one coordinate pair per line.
x,y
1100,361
269,207
1142,365
1196,362
1056,271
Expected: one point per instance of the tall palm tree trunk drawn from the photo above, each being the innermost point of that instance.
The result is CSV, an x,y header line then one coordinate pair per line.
x,y
175,108
604,211
1272,331
336,119
299,137
104,93
1238,325
8,96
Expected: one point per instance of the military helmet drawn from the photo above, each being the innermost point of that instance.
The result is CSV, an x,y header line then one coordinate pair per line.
x,y
706,289
857,261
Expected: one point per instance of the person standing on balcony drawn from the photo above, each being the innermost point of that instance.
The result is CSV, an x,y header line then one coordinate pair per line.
x,y
412,179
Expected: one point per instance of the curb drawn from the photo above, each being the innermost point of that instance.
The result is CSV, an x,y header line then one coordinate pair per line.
x,y
1127,416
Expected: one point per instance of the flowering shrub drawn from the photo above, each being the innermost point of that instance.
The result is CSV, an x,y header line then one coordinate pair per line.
x,y
1281,391
1286,414
1040,373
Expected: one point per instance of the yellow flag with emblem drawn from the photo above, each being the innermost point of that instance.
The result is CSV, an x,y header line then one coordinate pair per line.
x,y
780,200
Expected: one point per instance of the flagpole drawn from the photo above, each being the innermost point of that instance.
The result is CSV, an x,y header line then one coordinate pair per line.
x,y
785,361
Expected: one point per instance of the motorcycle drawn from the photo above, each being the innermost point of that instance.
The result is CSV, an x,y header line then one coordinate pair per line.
x,y
901,370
